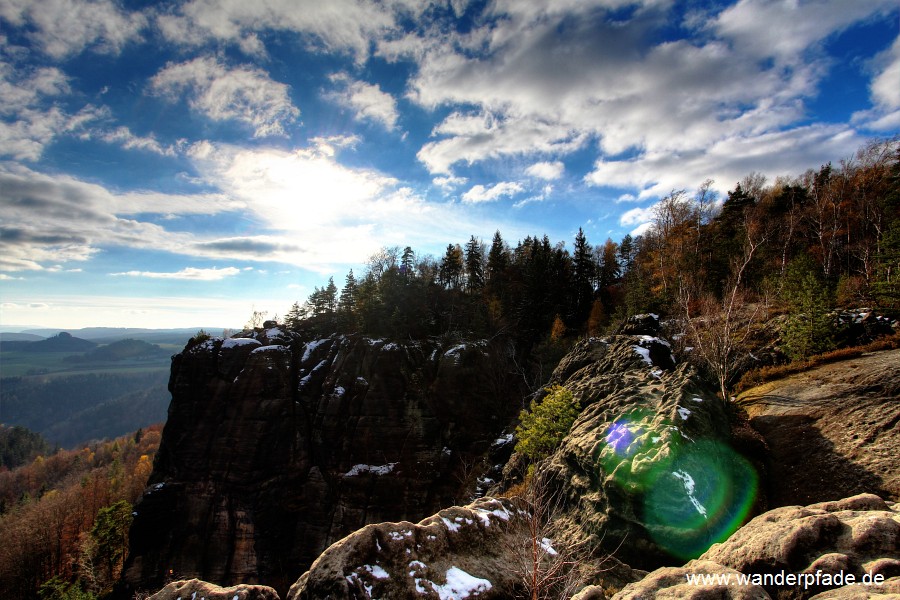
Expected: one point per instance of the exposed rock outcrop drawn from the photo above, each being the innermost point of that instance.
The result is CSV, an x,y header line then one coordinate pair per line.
x,y
647,471
276,447
858,536
194,588
689,582
457,553
484,550
832,431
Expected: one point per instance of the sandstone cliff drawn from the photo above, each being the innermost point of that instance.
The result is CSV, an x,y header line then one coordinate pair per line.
x,y
648,471
832,431
276,446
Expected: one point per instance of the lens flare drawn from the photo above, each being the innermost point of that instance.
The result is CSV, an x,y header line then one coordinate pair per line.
x,y
705,494
695,492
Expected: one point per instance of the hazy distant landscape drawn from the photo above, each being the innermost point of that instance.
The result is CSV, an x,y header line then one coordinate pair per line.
x,y
87,384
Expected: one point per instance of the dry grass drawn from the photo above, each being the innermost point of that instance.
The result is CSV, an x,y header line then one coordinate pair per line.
x,y
763,375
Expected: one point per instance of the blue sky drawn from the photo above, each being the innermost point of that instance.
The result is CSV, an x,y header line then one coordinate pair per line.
x,y
180,164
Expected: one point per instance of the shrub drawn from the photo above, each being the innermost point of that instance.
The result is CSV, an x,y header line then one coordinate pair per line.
x,y
543,427
808,330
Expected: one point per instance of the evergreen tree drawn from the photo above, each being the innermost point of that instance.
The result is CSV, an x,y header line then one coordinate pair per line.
x,y
294,316
451,269
474,260
626,253
346,308
809,328
582,276
408,263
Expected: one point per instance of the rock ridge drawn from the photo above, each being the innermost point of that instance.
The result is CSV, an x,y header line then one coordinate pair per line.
x,y
278,445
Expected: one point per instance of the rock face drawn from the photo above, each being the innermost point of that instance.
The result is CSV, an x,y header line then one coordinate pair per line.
x,y
195,588
689,582
484,550
856,536
275,447
647,471
460,552
831,432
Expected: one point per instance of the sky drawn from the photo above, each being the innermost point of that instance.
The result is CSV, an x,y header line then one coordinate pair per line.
x,y
179,164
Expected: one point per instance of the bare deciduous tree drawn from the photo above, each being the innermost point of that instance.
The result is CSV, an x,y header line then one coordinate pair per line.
x,y
719,329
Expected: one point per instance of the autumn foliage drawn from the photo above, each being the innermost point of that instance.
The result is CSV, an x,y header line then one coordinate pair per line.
x,y
63,516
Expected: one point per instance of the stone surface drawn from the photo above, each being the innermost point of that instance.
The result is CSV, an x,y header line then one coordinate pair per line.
x,y
831,432
889,590
194,588
676,582
277,446
482,550
858,535
406,560
647,471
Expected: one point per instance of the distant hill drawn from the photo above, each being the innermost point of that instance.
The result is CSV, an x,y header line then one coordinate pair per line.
x,y
122,350
72,409
10,336
64,342
106,335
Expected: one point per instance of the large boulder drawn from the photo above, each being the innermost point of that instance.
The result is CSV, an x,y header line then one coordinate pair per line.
x,y
276,446
825,542
697,580
484,550
647,471
194,588
832,431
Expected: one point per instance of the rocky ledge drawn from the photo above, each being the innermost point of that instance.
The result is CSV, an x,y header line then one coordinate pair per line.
x,y
277,446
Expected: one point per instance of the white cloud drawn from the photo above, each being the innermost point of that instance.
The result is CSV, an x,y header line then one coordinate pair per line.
x,y
544,80
244,93
30,117
636,216
786,30
546,170
322,213
476,137
338,25
886,85
63,28
788,152
447,183
127,139
479,193
189,273
50,220
367,101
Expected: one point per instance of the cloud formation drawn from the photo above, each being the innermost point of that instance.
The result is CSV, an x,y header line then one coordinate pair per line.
x,y
61,28
367,101
245,93
480,193
188,273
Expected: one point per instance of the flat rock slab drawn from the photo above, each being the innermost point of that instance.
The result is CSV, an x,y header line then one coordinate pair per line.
x,y
832,431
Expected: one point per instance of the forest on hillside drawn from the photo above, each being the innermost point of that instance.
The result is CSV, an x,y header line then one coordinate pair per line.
x,y
64,517
827,237
74,408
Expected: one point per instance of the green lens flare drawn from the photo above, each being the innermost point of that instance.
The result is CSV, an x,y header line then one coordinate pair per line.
x,y
695,492
702,497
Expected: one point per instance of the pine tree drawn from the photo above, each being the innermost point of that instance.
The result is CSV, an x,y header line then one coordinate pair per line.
x,y
582,276
626,253
346,308
451,269
408,263
809,329
294,316
474,260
